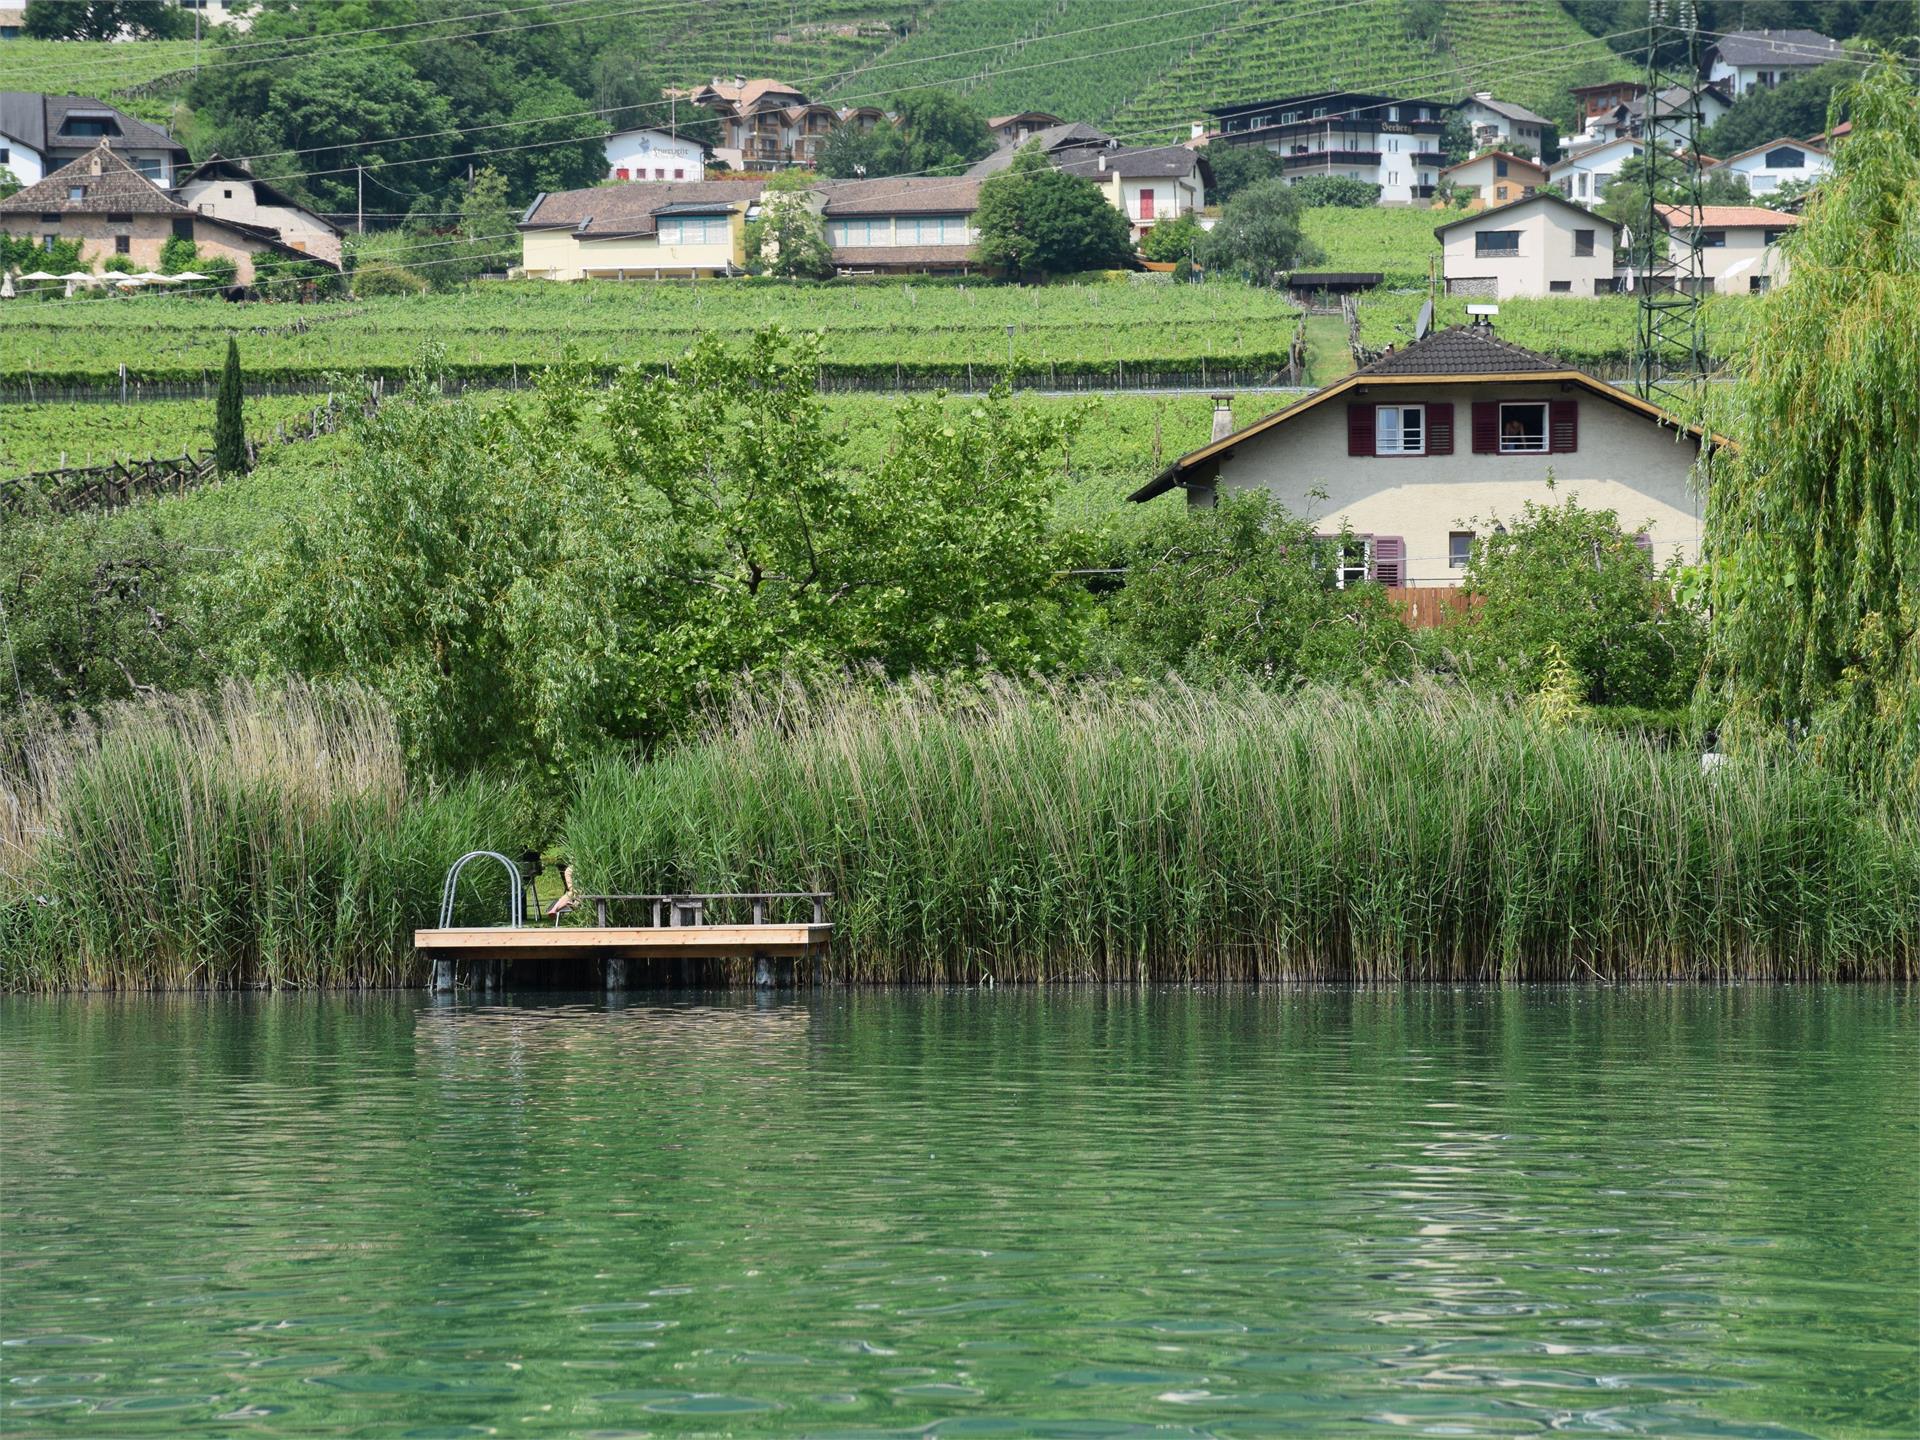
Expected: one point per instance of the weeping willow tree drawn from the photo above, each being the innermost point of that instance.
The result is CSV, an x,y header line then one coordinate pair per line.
x,y
1813,527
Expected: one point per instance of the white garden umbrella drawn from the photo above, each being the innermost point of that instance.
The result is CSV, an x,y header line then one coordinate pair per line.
x,y
190,275
152,275
39,275
6,287
78,277
128,284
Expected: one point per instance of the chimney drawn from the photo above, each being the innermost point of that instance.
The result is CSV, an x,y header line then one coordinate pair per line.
x,y
1197,130
1103,162
1483,94
1222,416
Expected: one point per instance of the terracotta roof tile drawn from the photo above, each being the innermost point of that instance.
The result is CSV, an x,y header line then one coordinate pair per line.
x,y
1730,217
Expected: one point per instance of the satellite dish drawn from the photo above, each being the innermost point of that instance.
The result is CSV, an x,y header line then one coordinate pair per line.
x,y
1425,322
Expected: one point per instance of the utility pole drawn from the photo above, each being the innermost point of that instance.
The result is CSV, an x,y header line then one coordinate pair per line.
x,y
360,188
1670,355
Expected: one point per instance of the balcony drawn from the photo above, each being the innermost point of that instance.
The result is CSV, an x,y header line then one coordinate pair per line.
x,y
1322,159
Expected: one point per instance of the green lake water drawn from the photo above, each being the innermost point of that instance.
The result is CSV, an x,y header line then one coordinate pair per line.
x,y
1465,1212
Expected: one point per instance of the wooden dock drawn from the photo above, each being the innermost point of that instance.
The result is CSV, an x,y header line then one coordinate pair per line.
x,y
684,928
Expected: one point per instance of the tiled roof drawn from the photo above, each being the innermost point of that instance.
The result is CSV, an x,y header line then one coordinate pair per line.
x,y
1729,217
111,185
1055,138
629,209
1539,197
1777,47
1508,109
1576,155
1133,162
902,254
995,122
1461,350
902,195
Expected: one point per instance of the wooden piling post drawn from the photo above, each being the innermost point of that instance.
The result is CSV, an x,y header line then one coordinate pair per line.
x,y
616,973
442,975
762,973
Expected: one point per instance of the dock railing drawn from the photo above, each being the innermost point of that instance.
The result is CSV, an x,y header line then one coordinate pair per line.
x,y
692,908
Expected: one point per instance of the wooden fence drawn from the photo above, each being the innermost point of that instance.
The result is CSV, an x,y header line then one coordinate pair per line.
x,y
1427,607
70,490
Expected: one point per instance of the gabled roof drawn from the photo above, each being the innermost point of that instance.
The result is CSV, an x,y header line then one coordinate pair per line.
x,y
1052,140
1539,197
1573,156
1506,108
1728,217
705,148
1806,145
35,120
217,167
901,195
1134,162
1776,47
1462,355
1533,165
110,183
605,212
999,122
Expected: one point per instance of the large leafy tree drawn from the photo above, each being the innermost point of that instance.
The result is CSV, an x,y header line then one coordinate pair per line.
x,y
1036,220
521,585
931,132
1247,588
788,239
1259,234
1235,167
104,20
1562,580
1813,525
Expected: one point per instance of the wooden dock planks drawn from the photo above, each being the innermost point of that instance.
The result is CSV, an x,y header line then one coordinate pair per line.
x,y
681,942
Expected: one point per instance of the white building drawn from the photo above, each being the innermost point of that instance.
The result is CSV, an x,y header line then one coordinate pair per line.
x,y
1395,144
1541,246
1458,429
1583,175
1736,243
41,133
1147,184
227,190
648,154
1748,60
1490,121
1767,167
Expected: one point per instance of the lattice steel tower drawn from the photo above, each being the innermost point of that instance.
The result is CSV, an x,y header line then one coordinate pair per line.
x,y
1670,358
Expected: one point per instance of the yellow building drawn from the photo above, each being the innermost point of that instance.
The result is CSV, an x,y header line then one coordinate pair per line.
x,y
638,231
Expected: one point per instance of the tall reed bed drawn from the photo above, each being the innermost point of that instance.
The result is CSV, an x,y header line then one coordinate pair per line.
x,y
1182,834
248,838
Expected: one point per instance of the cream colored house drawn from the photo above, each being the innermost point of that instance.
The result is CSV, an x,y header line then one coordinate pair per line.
x,y
1767,167
1427,446
1544,245
638,231
228,190
1496,178
1737,243
1147,184
102,201
1583,175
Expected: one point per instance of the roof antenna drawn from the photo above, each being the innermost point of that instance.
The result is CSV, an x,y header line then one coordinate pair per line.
x,y
1483,316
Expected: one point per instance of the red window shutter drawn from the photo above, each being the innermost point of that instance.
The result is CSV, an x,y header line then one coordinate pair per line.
x,y
1390,559
1440,429
1486,427
1563,426
1359,429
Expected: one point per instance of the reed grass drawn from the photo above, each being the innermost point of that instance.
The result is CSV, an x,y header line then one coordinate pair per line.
x,y
1180,834
246,838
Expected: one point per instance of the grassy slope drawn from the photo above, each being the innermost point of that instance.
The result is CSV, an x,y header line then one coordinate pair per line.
x,y
36,437
98,68
1527,51
1596,331
1397,242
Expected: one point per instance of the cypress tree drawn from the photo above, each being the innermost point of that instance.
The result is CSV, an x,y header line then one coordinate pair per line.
x,y
229,424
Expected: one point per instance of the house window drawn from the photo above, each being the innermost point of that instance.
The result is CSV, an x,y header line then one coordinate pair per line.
x,y
1146,204
1459,549
679,174
1785,158
1771,237
81,129
1319,112
659,172
1499,192
120,219
1560,287
1583,242
623,173
1523,428
123,244
47,242
1425,113
5,155
860,232
1500,166
76,192
49,217
226,194
1496,242
1351,568
1758,284
1713,239
183,229
694,230
150,166
1399,429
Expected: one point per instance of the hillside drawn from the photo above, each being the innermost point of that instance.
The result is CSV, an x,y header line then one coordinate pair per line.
x,y
1527,51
